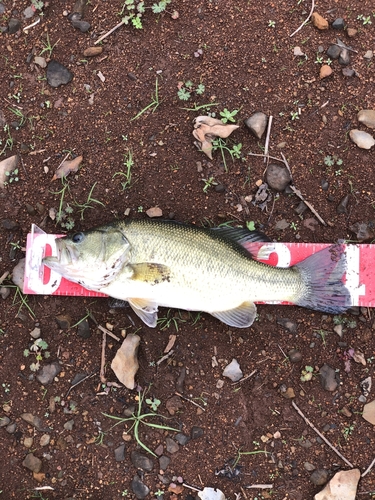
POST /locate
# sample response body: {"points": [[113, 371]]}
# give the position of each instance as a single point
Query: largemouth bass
{"points": [[160, 263]]}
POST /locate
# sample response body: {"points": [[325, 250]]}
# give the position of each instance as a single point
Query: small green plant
{"points": [[319, 59], [38, 4], [294, 115], [154, 403], [18, 113], [124, 493], [271, 24], [250, 225], [39, 349], [243, 453], [347, 431], [159, 493], [134, 10], [6, 387], [64, 211], [152, 105], [171, 318], [208, 183], [139, 418], [127, 175], [293, 226], [341, 320], [12, 176], [48, 47], [228, 116], [307, 373], [222, 146], [88, 203], [8, 144], [186, 89], [329, 161], [365, 19]]}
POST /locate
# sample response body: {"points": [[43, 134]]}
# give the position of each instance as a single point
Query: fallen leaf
{"points": [[67, 167], [125, 363], [359, 358], [172, 340], [207, 128], [7, 165], [176, 488]]}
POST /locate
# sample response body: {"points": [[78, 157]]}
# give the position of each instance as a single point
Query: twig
{"points": [[104, 330], [110, 32], [66, 156], [190, 401], [5, 275], [79, 382], [245, 378], [306, 20], [165, 357], [298, 193], [368, 468], [32, 25], [270, 157], [260, 486], [321, 435], [266, 144], [102, 363], [191, 487]]}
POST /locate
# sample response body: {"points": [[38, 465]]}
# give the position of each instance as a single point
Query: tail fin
{"points": [[322, 274]]}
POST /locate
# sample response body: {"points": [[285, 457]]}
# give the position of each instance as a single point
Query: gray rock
{"points": [[324, 185], [343, 205], [139, 489], [13, 26], [28, 13], [338, 24], [141, 461], [333, 51], [196, 432], [309, 467], [68, 426], [349, 72], [171, 445], [328, 378], [82, 26], [294, 356], [233, 371], [48, 373], [257, 124], [45, 440], [319, 477], [2, 9], [33, 420], [83, 329], [277, 177], [58, 74], [9, 224], [367, 117], [281, 225], [344, 58], [368, 55], [35, 334], [288, 324], [4, 421], [363, 230], [301, 208], [32, 463], [4, 292], [78, 377], [120, 453], [164, 462], [181, 438], [362, 139], [11, 428]]}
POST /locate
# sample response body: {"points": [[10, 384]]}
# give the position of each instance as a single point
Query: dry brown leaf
{"points": [[207, 128], [67, 167], [206, 120], [223, 130], [359, 358], [172, 340]]}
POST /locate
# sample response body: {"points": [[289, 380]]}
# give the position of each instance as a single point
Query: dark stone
{"points": [[196, 432], [344, 58], [141, 461], [181, 438], [301, 208], [48, 373], [9, 224], [328, 378], [219, 188], [139, 489], [4, 421], [64, 321], [83, 329], [120, 453], [171, 445], [349, 72], [343, 205], [2, 9], [288, 324], [30, 209], [295, 356], [319, 477], [13, 26], [32, 463], [324, 185], [338, 24], [132, 76], [78, 377], [277, 177], [57, 74], [333, 51], [82, 26], [164, 462]]}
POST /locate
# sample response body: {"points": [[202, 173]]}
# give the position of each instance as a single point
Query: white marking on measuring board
{"points": [[281, 250], [352, 274], [34, 266]]}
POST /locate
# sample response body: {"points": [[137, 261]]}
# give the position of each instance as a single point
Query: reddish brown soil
{"points": [[247, 65]]}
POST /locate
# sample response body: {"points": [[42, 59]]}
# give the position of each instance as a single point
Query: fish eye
{"points": [[77, 237]]}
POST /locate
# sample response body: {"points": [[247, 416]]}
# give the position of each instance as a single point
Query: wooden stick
{"points": [[306, 20], [260, 486], [190, 401], [321, 435], [266, 145], [102, 363], [110, 32], [104, 330], [245, 378], [5, 275], [368, 468]]}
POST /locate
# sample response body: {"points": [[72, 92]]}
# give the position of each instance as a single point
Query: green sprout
{"points": [[153, 104]]}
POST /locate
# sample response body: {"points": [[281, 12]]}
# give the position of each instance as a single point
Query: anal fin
{"points": [[240, 317], [146, 310]]}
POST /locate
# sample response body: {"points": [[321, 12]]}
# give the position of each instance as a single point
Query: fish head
{"points": [[92, 258]]}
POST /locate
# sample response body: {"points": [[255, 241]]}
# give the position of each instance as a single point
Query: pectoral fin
{"points": [[146, 310], [240, 317], [149, 272]]}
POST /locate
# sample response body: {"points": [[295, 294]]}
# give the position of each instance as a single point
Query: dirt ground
{"points": [[242, 53]]}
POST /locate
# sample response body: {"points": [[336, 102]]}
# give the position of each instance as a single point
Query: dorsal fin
{"points": [[243, 237]]}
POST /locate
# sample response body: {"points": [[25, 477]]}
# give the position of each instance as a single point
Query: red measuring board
{"points": [[359, 278]]}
